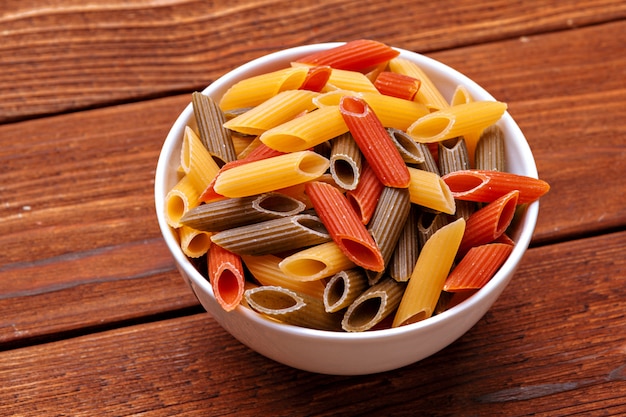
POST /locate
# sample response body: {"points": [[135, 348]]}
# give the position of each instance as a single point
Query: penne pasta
{"points": [[344, 226], [488, 223], [428, 94], [412, 153], [428, 223], [427, 189], [266, 271], [429, 275], [489, 155], [194, 243], [345, 161], [484, 186], [306, 131], [343, 288], [273, 236], [273, 112], [477, 267], [255, 90], [179, 200], [350, 81], [375, 304], [270, 174], [461, 96], [374, 142], [453, 155], [456, 120], [226, 276], [387, 224], [316, 78], [235, 212], [215, 137], [364, 198], [397, 85], [293, 308], [357, 55], [259, 152], [196, 161], [407, 249], [317, 262], [394, 112]]}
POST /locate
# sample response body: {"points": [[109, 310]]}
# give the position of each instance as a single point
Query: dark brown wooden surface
{"points": [[94, 318]]}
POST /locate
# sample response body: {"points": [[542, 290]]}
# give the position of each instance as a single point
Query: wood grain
{"points": [[70, 55], [530, 355], [88, 218]]}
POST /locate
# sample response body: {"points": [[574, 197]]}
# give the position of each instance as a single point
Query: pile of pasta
{"points": [[344, 192]]}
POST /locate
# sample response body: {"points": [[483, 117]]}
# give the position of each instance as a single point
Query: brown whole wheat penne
{"points": [[343, 288], [273, 236], [375, 304], [235, 212], [214, 135], [293, 308]]}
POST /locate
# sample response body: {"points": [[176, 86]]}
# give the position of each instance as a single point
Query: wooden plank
{"points": [[70, 55], [554, 349], [77, 189]]}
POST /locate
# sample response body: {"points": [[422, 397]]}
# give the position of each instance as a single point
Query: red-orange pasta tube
{"points": [[357, 55], [489, 223], [226, 276], [374, 141], [316, 78], [364, 197], [485, 186], [344, 226], [477, 267], [397, 85]]}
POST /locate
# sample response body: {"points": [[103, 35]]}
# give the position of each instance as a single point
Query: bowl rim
{"points": [[496, 285]]}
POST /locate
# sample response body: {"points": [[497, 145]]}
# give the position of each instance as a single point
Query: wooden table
{"points": [[94, 318]]}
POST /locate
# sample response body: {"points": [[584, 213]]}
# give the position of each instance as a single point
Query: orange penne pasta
{"points": [[477, 267], [374, 141], [260, 152], [316, 78], [485, 186], [226, 276], [344, 226], [357, 55], [489, 223], [397, 85], [364, 197]]}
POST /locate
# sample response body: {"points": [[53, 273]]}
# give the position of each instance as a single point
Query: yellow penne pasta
{"points": [[429, 275], [392, 112], [194, 243], [349, 80], [275, 111], [456, 120], [265, 270], [255, 90], [315, 263], [395, 112], [180, 199], [332, 98], [196, 161], [428, 94], [271, 174], [306, 131], [461, 96], [428, 190]]}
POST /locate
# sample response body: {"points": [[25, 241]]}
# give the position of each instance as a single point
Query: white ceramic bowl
{"points": [[336, 352]]}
